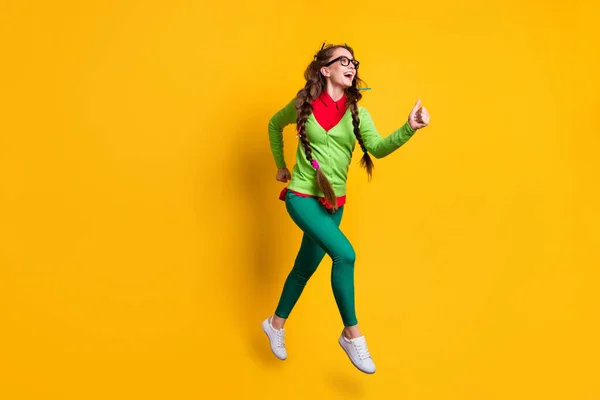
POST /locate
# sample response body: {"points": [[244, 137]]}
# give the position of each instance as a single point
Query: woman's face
{"points": [[337, 73]]}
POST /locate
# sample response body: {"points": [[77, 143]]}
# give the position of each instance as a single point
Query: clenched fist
{"points": [[418, 117], [283, 175]]}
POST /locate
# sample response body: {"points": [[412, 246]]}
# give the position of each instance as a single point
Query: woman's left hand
{"points": [[418, 117]]}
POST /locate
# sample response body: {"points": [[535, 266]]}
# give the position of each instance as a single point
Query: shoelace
{"points": [[361, 349], [280, 337]]}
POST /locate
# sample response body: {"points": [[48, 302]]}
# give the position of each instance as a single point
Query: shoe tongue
{"points": [[359, 340]]}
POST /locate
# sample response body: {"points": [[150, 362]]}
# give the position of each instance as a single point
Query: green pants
{"points": [[322, 235]]}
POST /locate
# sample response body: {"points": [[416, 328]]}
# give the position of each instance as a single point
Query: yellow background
{"points": [[142, 242]]}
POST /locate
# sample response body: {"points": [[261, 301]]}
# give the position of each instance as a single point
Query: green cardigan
{"points": [[332, 149]]}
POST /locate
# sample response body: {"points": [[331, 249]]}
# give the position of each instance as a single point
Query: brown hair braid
{"points": [[365, 161], [315, 84]]}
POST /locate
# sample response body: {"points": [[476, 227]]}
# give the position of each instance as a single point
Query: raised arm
{"points": [[282, 118], [379, 146]]}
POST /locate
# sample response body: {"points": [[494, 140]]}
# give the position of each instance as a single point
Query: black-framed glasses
{"points": [[345, 61]]}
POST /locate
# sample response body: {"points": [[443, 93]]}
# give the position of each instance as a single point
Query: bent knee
{"points": [[348, 257], [303, 275]]}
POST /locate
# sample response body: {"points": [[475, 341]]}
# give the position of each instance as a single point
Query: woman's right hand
{"points": [[283, 175]]}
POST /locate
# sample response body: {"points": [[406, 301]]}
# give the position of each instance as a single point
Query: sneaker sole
{"points": [[351, 360], [264, 328]]}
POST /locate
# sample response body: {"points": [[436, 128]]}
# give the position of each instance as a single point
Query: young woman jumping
{"points": [[329, 123]]}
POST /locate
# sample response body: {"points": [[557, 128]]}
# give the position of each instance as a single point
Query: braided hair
{"points": [[315, 84]]}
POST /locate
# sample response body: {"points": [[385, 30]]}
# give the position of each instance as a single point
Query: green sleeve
{"points": [[377, 145], [282, 118]]}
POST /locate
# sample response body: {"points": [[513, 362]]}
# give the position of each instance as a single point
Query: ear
{"points": [[325, 72]]}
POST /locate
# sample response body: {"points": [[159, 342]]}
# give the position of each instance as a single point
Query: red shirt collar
{"points": [[326, 99]]}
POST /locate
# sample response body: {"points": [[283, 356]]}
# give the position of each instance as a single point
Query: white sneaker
{"points": [[276, 338], [357, 351]]}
